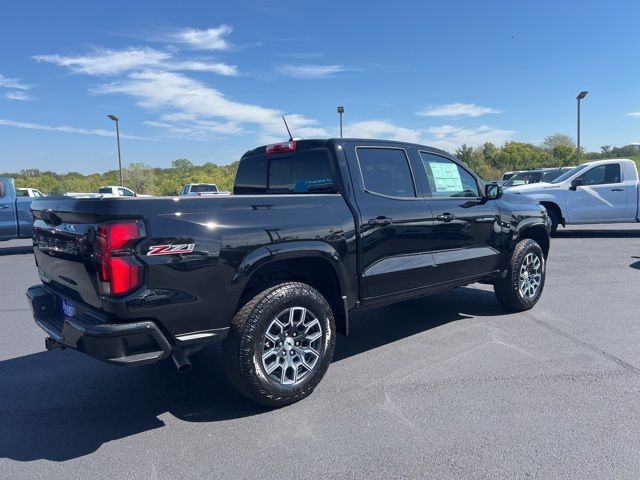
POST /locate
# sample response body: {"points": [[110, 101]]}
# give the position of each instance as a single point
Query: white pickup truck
{"points": [[601, 191]]}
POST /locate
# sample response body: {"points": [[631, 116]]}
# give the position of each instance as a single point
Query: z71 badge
{"points": [[177, 249]]}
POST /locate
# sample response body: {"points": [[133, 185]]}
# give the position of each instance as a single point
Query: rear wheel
{"points": [[280, 344], [523, 285]]}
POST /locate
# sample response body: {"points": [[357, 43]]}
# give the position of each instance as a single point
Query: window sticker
{"points": [[446, 177]]}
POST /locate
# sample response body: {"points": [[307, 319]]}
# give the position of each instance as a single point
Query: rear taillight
{"points": [[284, 147], [118, 270]]}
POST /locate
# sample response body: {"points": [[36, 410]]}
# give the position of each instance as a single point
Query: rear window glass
{"points": [[305, 171], [203, 188]]}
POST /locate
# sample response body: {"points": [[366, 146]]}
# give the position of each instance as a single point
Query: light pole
{"points": [[580, 96], [116, 119], [340, 111]]}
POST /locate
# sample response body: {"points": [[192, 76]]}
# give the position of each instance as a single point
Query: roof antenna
{"points": [[287, 127]]}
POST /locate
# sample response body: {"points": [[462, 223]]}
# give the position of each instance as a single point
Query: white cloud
{"points": [[17, 95], [16, 89], [191, 101], [108, 62], [449, 137], [382, 129], [6, 82], [311, 71], [634, 114], [456, 110], [67, 129], [198, 129], [199, 66], [210, 39], [115, 62]]}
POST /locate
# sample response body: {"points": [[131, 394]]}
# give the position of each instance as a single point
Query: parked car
{"points": [[195, 189], [15, 214], [602, 191], [535, 176], [116, 191], [314, 230], [507, 175], [29, 192]]}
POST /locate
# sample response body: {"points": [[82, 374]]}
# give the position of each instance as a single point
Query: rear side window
{"points": [[446, 178], [22, 193], [386, 171], [104, 190], [304, 171]]}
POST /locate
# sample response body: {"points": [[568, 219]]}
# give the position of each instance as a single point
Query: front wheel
{"points": [[280, 344], [521, 289]]}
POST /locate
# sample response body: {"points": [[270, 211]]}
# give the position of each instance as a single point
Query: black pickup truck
{"points": [[314, 230]]}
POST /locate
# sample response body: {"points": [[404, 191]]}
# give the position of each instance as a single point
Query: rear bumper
{"points": [[92, 332]]}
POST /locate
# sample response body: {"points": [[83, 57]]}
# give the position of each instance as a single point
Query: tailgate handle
{"points": [[446, 217], [380, 221]]}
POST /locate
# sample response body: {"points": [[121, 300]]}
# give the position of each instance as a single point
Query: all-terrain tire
{"points": [[508, 290], [245, 344]]}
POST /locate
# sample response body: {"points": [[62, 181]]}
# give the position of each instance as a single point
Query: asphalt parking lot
{"points": [[447, 386]]}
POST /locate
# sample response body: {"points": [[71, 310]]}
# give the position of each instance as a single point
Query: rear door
{"points": [[603, 197], [396, 224], [8, 223], [466, 229]]}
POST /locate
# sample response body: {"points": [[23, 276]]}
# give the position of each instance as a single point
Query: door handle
{"points": [[617, 189], [380, 221], [2, 207], [446, 217]]}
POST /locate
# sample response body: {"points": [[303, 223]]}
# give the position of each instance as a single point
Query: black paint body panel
{"points": [[236, 235]]}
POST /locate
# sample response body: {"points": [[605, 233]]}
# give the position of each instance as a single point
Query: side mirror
{"points": [[575, 183], [493, 191]]}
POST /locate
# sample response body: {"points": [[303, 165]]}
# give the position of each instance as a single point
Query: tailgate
{"points": [[63, 239]]}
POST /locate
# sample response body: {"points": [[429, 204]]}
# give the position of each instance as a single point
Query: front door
{"points": [[8, 226], [602, 197], [396, 224], [466, 228]]}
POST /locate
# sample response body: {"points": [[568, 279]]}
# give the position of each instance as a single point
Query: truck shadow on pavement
{"points": [[62, 405]]}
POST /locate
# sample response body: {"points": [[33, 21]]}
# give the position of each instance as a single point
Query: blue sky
{"points": [[208, 80]]}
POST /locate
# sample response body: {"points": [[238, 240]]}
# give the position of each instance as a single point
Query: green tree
{"points": [[140, 178], [552, 141], [563, 155], [464, 152]]}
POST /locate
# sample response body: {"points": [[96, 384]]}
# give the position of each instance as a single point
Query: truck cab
{"points": [[15, 215], [600, 191], [116, 191]]}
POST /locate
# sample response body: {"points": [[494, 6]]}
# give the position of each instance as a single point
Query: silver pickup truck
{"points": [[15, 212]]}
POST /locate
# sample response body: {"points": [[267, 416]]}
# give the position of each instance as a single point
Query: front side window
{"points": [[602, 174], [386, 171], [125, 192], [446, 178]]}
